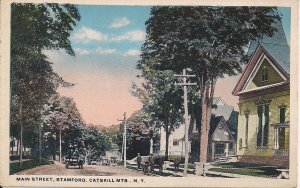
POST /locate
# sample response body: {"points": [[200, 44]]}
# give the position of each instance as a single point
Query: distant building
{"points": [[264, 102], [227, 118], [221, 141]]}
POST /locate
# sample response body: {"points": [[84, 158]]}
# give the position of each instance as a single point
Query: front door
{"points": [[220, 148]]}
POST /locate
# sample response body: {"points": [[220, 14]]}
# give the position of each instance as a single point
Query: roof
{"points": [[214, 123], [275, 48], [223, 110], [276, 45]]}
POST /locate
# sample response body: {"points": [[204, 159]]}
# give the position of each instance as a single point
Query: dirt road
{"points": [[88, 170]]}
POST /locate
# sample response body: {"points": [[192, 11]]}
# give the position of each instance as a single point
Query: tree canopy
{"points": [[212, 41]]}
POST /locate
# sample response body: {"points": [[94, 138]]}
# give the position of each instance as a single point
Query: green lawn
{"points": [[247, 169], [14, 167]]}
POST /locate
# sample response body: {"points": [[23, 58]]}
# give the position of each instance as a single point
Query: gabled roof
{"points": [[221, 110], [276, 45], [274, 48], [215, 121]]}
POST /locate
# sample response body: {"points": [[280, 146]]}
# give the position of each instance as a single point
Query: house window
{"points": [[263, 125], [282, 115], [264, 74], [175, 142]]}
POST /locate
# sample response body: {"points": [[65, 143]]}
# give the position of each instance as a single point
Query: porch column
{"points": [[226, 149], [151, 145], [212, 151], [276, 138]]}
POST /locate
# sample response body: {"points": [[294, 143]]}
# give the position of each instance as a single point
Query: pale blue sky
{"points": [[107, 43]]}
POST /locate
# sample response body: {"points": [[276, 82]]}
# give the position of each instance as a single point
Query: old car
{"points": [[74, 159], [105, 162]]}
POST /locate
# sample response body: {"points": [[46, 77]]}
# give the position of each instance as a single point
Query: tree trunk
{"points": [[18, 143], [60, 155], [12, 147], [40, 143], [205, 124], [21, 138], [167, 144]]}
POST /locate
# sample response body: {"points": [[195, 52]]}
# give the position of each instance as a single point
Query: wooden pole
{"points": [[21, 137], [186, 141], [125, 148], [186, 117], [60, 158], [40, 144]]}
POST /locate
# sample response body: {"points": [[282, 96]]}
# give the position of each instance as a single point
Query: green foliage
{"points": [[96, 143], [139, 131], [34, 28], [209, 40], [42, 26], [14, 167]]}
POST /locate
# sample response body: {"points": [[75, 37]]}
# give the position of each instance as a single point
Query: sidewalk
{"points": [[17, 161], [169, 170]]}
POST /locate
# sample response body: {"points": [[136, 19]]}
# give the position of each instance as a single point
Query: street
{"points": [[88, 170]]}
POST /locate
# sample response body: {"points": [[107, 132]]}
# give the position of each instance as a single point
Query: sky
{"points": [[107, 43]]}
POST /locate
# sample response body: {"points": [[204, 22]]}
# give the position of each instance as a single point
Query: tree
{"points": [[96, 143], [209, 40], [140, 131], [34, 28], [42, 26], [161, 100], [61, 113]]}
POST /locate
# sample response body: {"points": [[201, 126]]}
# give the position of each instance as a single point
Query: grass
{"points": [[14, 167], [247, 169]]}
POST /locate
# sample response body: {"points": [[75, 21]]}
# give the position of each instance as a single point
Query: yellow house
{"points": [[264, 103]]}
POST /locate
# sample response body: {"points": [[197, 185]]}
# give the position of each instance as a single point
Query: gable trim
{"points": [[261, 59], [258, 54], [263, 87]]}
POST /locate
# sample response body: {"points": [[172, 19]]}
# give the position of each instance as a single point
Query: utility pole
{"points": [[60, 155], [21, 136], [40, 143], [124, 138], [186, 116]]}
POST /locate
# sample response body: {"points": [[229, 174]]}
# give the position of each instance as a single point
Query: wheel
{"points": [[67, 165]]}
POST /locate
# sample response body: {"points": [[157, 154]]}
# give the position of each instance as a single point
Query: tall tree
{"points": [[34, 28], [61, 113], [209, 40], [161, 100]]}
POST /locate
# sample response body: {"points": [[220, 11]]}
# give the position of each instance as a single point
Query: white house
{"points": [[176, 138]]}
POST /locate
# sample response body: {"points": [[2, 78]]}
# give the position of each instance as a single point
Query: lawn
{"points": [[14, 167], [247, 169]]}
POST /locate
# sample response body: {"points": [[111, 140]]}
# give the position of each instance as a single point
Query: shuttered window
{"points": [[282, 115], [263, 125]]}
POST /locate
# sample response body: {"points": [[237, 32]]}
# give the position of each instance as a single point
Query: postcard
{"points": [[149, 94]]}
